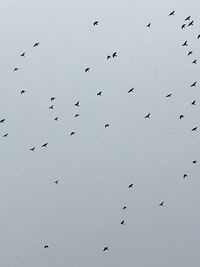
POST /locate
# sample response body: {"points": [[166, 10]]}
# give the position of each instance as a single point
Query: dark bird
{"points": [[162, 203], [2, 121], [51, 107], [124, 208], [99, 93], [108, 57], [169, 95], [172, 13], [194, 162], [22, 55], [56, 182], [56, 119], [194, 84], [32, 149], [15, 69], [194, 61], [36, 44], [5, 135], [46, 246], [122, 222], [148, 25], [147, 116], [77, 115], [87, 69], [190, 53], [105, 248], [45, 145], [185, 176], [185, 43], [183, 26], [130, 90], [181, 117], [198, 36], [53, 98], [193, 102], [107, 125], [188, 18], [72, 133], [191, 23], [77, 104], [194, 129], [96, 23], [130, 186], [114, 54], [22, 92]]}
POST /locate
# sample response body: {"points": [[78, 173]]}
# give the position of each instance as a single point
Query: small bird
{"points": [[5, 135], [191, 23], [87, 69], [162, 203], [45, 145], [172, 13], [51, 107], [194, 61], [169, 95], [148, 25], [96, 23], [22, 92], [53, 98], [184, 175], [46, 246], [22, 55], [198, 36], [32, 149], [77, 104], [124, 208], [181, 116], [108, 57], [56, 182], [188, 18], [190, 53], [15, 69], [130, 90], [194, 161], [72, 133], [147, 116], [56, 119], [193, 103], [105, 248], [99, 93], [193, 84], [185, 43], [77, 115], [122, 222], [183, 26], [2, 121], [114, 54], [130, 186], [36, 44], [194, 129], [107, 125]]}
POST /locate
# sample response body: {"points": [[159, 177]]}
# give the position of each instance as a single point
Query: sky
{"points": [[81, 214]]}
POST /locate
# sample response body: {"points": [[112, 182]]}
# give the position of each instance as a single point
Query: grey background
{"points": [[82, 214]]}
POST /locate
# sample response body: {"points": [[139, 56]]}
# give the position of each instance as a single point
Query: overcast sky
{"points": [[81, 214]]}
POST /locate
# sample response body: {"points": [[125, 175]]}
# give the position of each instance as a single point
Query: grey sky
{"points": [[82, 214]]}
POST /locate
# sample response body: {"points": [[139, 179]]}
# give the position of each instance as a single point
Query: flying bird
{"points": [[53, 98], [15, 69], [148, 25], [5, 135], [114, 54], [22, 55], [194, 84], [183, 26], [56, 119], [190, 53], [36, 44], [188, 18], [108, 57], [185, 176], [181, 117], [107, 125], [56, 182], [2, 121], [46, 246], [130, 186], [22, 92], [77, 115], [194, 129], [172, 13], [162, 203], [130, 90], [147, 116], [45, 145], [194, 161], [185, 43], [105, 248], [99, 93], [169, 95], [96, 23], [51, 107], [87, 69], [122, 222], [124, 208], [194, 61], [77, 104], [191, 23], [72, 133], [193, 103], [32, 149]]}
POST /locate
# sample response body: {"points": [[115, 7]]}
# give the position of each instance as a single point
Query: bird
{"points": [[87, 69], [169, 95], [51, 107], [77, 115], [46, 246], [99, 93], [107, 125], [181, 116], [114, 54], [15, 69], [198, 36], [72, 133], [191, 23], [96, 23], [56, 118], [5, 135], [45, 145], [36, 44], [53, 98], [194, 161], [56, 182], [172, 13], [194, 129], [188, 18], [147, 116], [108, 57], [22, 92], [22, 55], [185, 43], [193, 103], [32, 149], [190, 53], [184, 175], [124, 208], [77, 104], [105, 248], [130, 186], [130, 90], [183, 26], [194, 61], [193, 84], [122, 222], [148, 25], [2, 121], [162, 203]]}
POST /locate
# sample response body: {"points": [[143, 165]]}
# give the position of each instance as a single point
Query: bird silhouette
{"points": [[191, 23], [185, 43], [130, 186], [194, 161], [188, 18], [194, 61], [107, 125], [181, 117], [96, 23], [32, 149], [22, 92], [147, 116], [148, 25], [193, 103], [122, 222], [183, 26], [162, 203], [87, 69], [77, 115], [56, 182], [169, 95], [105, 248], [46, 246], [108, 57], [45, 145], [130, 90], [190, 53], [56, 119], [184, 175], [22, 55], [5, 135], [172, 13], [51, 107], [53, 98], [36, 44], [194, 129], [72, 133], [77, 104], [2, 121], [193, 84], [114, 54], [99, 93], [15, 69], [124, 208]]}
